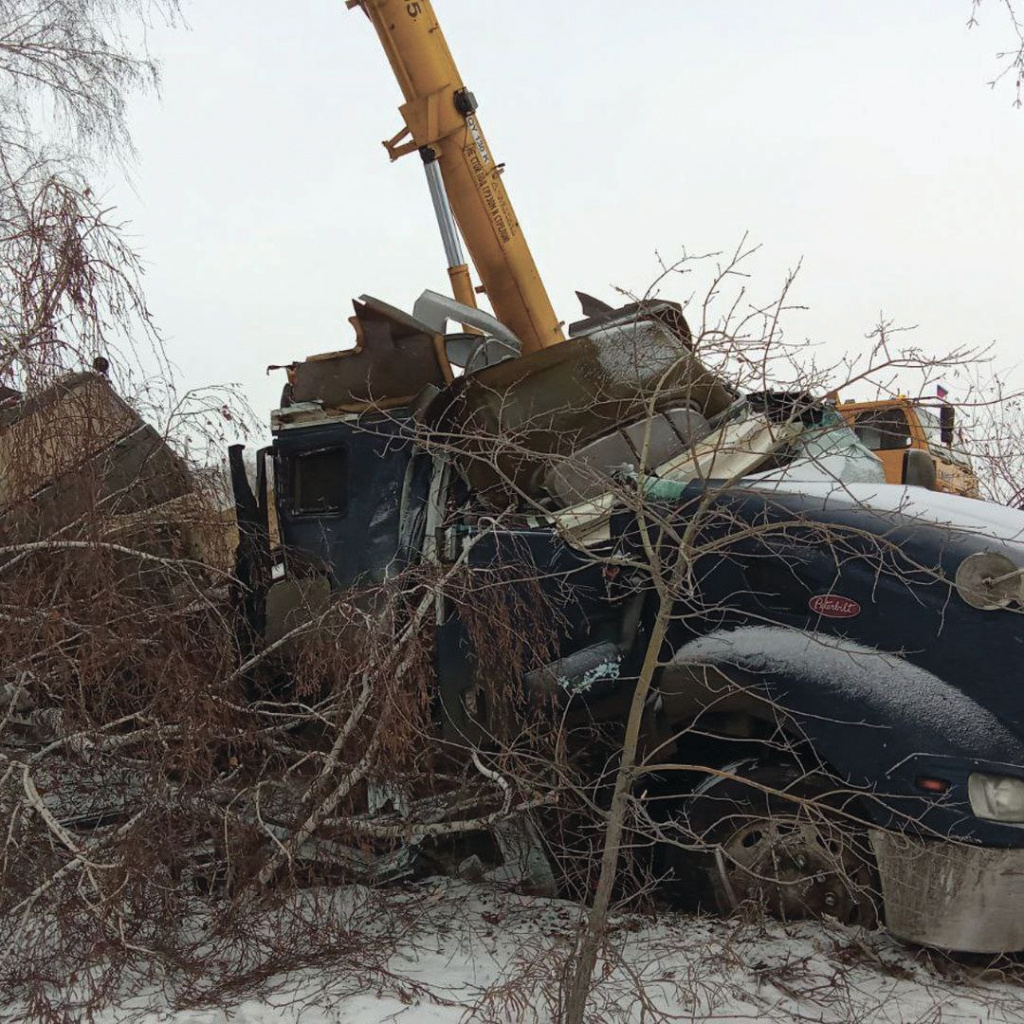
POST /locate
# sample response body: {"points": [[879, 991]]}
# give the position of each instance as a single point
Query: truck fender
{"points": [[864, 712]]}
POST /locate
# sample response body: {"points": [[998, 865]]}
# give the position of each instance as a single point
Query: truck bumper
{"points": [[964, 898]]}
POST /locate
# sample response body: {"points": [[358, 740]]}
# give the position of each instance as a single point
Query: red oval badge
{"points": [[832, 606]]}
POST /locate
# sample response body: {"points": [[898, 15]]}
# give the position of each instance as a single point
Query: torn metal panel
{"points": [[738, 448], [525, 862], [640, 447], [733, 450], [589, 523], [395, 358]]}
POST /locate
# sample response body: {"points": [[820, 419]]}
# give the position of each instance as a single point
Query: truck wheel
{"points": [[797, 856]]}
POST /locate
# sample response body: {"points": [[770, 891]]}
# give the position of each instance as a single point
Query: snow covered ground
{"points": [[477, 953]]}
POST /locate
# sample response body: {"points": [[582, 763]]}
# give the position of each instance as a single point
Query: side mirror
{"points": [[947, 425], [919, 469]]}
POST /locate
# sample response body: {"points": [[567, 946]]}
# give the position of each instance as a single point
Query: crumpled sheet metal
{"points": [[395, 358], [508, 422]]}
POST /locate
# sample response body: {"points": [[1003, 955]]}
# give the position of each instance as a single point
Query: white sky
{"points": [[859, 135]]}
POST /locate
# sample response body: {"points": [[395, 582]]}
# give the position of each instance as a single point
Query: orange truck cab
{"points": [[915, 441]]}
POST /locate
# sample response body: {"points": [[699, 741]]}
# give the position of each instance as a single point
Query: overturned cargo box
{"points": [[76, 448]]}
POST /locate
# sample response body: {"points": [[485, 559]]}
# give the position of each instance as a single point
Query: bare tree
{"points": [[1012, 58], [70, 285]]}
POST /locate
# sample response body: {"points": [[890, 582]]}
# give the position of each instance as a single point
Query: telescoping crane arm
{"points": [[441, 123]]}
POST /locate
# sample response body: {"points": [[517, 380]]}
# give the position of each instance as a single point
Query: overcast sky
{"points": [[858, 135]]}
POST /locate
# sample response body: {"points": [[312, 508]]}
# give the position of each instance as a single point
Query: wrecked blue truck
{"points": [[835, 641]]}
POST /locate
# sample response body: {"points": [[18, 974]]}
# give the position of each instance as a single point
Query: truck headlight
{"points": [[997, 797]]}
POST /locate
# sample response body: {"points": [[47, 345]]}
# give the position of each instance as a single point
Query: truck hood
{"points": [[904, 506], [907, 614]]}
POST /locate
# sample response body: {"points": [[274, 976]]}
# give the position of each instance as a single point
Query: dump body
{"points": [[77, 445]]}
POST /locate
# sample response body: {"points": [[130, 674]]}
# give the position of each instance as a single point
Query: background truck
{"points": [[916, 442]]}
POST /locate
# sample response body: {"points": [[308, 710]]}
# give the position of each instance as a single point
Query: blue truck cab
{"points": [[866, 632]]}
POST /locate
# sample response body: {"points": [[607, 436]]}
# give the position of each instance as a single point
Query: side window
{"points": [[319, 482], [883, 430]]}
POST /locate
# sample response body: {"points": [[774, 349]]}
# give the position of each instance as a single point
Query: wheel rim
{"points": [[797, 868]]}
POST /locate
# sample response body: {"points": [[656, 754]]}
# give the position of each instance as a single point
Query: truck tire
{"points": [[800, 855]]}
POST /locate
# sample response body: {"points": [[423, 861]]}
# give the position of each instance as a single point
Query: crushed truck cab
{"points": [[875, 627]]}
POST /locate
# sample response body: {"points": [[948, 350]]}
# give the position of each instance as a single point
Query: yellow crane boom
{"points": [[441, 123]]}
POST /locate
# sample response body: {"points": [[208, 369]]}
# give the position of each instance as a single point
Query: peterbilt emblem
{"points": [[832, 607]]}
